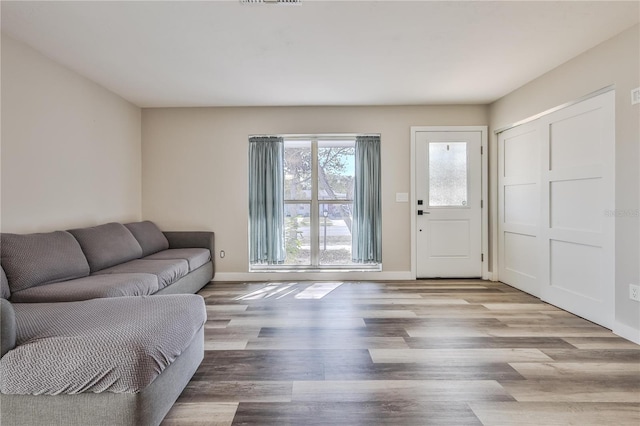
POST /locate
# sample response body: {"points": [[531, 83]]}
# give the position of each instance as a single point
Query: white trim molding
{"points": [[627, 332], [320, 276]]}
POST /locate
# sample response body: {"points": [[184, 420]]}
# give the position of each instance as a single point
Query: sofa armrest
{"points": [[191, 239], [7, 327]]}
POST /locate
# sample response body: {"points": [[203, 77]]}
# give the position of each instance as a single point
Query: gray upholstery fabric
{"points": [[4, 285], [151, 239], [195, 256], [107, 245], [145, 408], [66, 348], [92, 287], [167, 271], [191, 239], [34, 259], [191, 283], [7, 327]]}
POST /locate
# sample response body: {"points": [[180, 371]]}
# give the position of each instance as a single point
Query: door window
{"points": [[447, 174]]}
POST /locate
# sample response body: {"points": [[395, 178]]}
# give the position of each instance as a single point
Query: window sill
{"points": [[332, 268]]}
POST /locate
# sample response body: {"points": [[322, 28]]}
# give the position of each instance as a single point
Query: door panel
{"points": [[448, 189], [555, 183], [576, 268], [521, 204], [576, 205], [519, 207], [577, 244], [575, 140], [449, 238], [516, 260]]}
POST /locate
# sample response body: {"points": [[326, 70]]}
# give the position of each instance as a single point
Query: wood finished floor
{"points": [[406, 353]]}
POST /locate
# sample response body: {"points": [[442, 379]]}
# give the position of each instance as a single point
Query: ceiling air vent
{"points": [[271, 1]]}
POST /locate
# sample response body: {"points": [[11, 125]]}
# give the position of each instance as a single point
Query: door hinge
{"points": [[481, 150], [481, 204], [482, 257]]}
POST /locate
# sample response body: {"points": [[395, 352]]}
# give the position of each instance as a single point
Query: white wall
{"points": [[70, 149], [616, 61], [195, 168]]}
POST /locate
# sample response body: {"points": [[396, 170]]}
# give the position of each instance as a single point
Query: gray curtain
{"points": [[266, 200], [367, 203]]}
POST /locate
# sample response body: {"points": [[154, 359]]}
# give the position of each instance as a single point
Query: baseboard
{"points": [[627, 332], [320, 276]]}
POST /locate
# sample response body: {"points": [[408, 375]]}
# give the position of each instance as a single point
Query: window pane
{"points": [[335, 234], [297, 170], [447, 174], [336, 166], [297, 238]]}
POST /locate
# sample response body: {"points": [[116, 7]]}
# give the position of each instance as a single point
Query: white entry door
{"points": [[448, 167]]}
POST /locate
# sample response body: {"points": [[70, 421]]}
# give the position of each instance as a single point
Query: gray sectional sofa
{"points": [[99, 326]]}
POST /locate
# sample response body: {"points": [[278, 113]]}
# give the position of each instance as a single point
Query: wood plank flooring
{"points": [[433, 352]]}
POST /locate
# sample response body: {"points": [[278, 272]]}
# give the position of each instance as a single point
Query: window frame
{"points": [[314, 213]]}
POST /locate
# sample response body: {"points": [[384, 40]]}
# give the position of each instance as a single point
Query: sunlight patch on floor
{"points": [[280, 290], [317, 290]]}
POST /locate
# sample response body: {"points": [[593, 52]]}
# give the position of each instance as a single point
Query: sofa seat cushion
{"points": [[103, 345], [167, 271], [92, 287], [107, 245], [195, 256], [34, 259]]}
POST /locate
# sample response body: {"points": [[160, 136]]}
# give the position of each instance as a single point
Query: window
{"points": [[447, 174], [318, 195]]}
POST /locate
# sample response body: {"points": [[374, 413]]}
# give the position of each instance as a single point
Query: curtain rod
{"points": [[315, 135]]}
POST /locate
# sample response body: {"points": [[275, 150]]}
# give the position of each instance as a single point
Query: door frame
{"points": [[484, 158]]}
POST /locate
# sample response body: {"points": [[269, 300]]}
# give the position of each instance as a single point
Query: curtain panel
{"points": [[367, 202], [266, 200]]}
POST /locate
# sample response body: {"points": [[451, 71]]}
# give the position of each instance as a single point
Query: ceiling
{"points": [[224, 53]]}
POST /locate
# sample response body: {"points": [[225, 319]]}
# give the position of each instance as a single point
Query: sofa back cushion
{"points": [[5, 292], [34, 259], [151, 239], [107, 245]]}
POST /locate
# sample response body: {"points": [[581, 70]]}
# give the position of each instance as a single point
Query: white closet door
{"points": [[577, 188], [519, 210], [556, 185]]}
